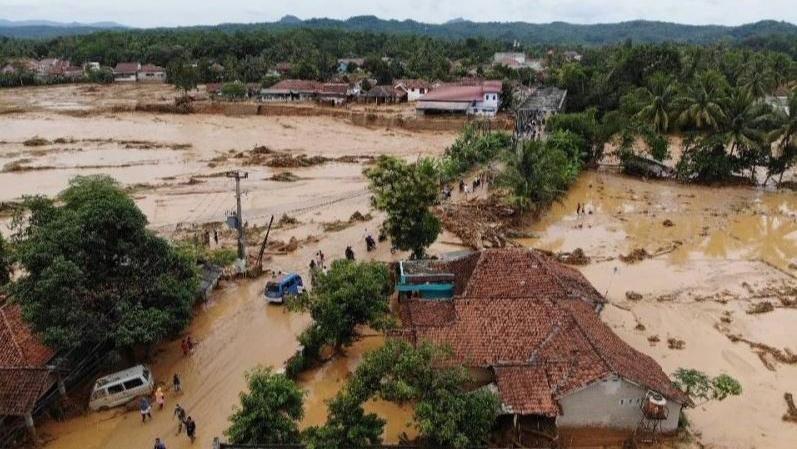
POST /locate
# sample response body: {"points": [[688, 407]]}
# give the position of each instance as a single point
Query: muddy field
{"points": [[711, 255]]}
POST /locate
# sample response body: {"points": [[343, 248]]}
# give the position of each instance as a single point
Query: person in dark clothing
{"points": [[176, 385], [190, 428], [312, 265], [145, 409], [349, 253], [370, 244], [461, 185], [159, 444], [179, 413], [216, 236]]}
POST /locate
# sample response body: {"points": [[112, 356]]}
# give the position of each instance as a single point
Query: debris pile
{"points": [[761, 307], [576, 257], [633, 296], [285, 176], [668, 223], [636, 255], [674, 343], [339, 225], [791, 412], [480, 223]]}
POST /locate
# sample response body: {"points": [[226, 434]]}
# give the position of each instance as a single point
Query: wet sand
{"points": [[728, 249]]}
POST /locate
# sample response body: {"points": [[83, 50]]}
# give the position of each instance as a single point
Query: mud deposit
{"points": [[722, 251]]}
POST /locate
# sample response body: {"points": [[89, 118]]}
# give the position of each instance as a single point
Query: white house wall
{"points": [[613, 403]]}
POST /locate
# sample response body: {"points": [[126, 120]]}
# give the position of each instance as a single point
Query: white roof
{"points": [[135, 371]]}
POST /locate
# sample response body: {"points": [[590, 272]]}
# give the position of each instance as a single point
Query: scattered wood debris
{"points": [[633, 296], [285, 176], [576, 257], [675, 343], [479, 223], [791, 409], [653, 339], [636, 255], [761, 307], [668, 223]]}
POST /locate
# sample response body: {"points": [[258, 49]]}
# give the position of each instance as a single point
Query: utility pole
{"points": [[239, 223]]}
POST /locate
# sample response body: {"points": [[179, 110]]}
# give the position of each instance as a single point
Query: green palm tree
{"points": [[757, 78], [741, 130], [701, 105], [658, 100], [784, 136]]}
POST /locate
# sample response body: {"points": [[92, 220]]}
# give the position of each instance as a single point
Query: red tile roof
{"points": [[21, 388], [413, 83], [21, 347], [23, 375], [530, 319], [334, 89]]}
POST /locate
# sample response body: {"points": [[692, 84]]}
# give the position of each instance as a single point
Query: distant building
{"points": [[283, 68], [517, 61], [345, 63], [414, 88], [528, 328], [91, 66], [333, 93], [291, 90], [571, 55], [483, 98], [150, 73], [126, 72], [383, 94]]}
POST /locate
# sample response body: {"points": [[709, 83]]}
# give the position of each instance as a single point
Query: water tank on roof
{"points": [[655, 406]]}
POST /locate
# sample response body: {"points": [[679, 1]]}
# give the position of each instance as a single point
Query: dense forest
{"points": [[526, 33]]}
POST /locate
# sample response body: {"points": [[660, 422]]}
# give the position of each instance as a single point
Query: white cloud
{"points": [[147, 13]]}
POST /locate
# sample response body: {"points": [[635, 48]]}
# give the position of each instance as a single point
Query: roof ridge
{"points": [[598, 352]]}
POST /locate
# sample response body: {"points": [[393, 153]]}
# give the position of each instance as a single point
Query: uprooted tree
{"points": [[269, 412], [406, 191], [93, 273], [699, 386]]}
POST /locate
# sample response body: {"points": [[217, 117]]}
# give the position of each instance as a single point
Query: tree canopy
{"points": [[269, 413], [93, 273], [406, 191]]}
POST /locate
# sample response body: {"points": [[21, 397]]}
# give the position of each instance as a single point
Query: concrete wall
{"points": [[613, 403]]}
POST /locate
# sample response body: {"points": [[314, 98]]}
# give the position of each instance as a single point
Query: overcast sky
{"points": [[148, 13]]}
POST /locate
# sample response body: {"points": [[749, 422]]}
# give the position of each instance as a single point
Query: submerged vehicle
{"points": [[286, 285]]}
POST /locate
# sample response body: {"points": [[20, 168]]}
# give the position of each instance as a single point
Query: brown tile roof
{"points": [[20, 347], [151, 68], [384, 91], [126, 67], [20, 388], [413, 83], [296, 85], [529, 317], [334, 89]]}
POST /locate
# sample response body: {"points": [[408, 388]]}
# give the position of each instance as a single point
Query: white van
{"points": [[121, 387]]}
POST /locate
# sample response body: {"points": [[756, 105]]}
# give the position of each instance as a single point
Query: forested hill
{"points": [[528, 33], [548, 33]]}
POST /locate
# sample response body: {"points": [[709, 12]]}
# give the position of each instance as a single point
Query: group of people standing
{"points": [[183, 419]]}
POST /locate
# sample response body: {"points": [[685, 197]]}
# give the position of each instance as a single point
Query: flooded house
{"points": [[482, 98], [126, 72], [414, 88], [291, 90], [528, 328], [150, 73], [26, 374]]}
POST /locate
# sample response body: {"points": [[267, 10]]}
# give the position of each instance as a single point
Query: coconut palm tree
{"points": [[658, 100], [741, 131], [757, 78], [701, 104], [784, 136]]}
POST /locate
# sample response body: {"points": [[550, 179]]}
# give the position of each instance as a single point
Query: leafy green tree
{"points": [[757, 78], [536, 174], [183, 76], [93, 272], [457, 419], [349, 294], [269, 412], [406, 192], [235, 90], [5, 262], [102, 76], [592, 134], [471, 148], [699, 386], [741, 129]]}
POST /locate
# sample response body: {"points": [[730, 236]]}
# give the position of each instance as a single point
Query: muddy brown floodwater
{"points": [[727, 249], [723, 251]]}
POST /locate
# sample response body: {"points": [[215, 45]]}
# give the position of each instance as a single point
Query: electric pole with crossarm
{"points": [[239, 223]]}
